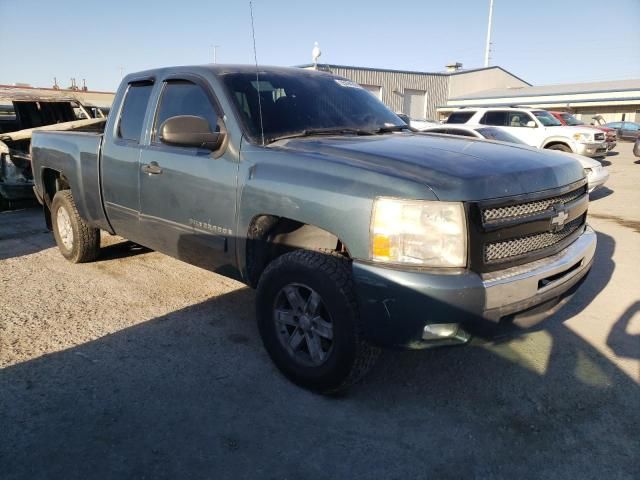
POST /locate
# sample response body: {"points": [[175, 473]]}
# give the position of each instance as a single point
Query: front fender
{"points": [[336, 198]]}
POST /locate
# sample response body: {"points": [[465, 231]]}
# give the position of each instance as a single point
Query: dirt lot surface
{"points": [[140, 366]]}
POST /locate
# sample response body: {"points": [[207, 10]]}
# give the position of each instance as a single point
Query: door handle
{"points": [[152, 168]]}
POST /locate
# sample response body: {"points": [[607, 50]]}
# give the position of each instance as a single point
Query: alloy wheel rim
{"points": [[303, 324], [64, 228]]}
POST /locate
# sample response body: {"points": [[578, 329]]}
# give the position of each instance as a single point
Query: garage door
{"points": [[375, 90], [414, 103]]}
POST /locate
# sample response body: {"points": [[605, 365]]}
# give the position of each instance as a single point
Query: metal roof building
{"points": [[418, 94], [614, 100]]}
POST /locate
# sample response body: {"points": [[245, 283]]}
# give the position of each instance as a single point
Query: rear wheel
{"points": [[77, 240], [309, 323], [561, 147]]}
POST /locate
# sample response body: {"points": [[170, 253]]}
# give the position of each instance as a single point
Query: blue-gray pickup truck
{"points": [[357, 232]]}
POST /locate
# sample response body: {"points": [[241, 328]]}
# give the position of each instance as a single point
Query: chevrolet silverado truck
{"points": [[357, 232]]}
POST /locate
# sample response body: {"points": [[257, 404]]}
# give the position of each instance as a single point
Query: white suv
{"points": [[537, 128]]}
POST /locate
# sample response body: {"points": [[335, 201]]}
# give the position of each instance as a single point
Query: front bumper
{"points": [[597, 178], [595, 149], [397, 305]]}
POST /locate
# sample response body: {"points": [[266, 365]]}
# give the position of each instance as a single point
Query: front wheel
{"points": [[309, 323], [561, 147], [77, 240]]}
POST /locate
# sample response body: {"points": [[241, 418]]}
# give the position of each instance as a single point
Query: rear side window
{"points": [[133, 111], [498, 118], [460, 117], [181, 97]]}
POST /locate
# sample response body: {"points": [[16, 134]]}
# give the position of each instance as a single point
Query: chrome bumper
{"points": [[520, 288]]}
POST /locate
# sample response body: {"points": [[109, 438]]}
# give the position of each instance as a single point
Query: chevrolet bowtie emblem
{"points": [[557, 222]]}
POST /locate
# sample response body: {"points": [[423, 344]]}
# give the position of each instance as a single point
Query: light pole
{"points": [[487, 49], [215, 52]]}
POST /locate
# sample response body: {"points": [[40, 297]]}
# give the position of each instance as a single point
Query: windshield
{"points": [[304, 103], [493, 133], [547, 119], [571, 120]]}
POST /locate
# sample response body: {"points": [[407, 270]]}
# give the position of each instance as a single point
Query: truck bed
{"points": [[76, 155]]}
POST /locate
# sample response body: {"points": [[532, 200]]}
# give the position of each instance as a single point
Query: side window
{"points": [[630, 126], [180, 97], [460, 117], [498, 118], [518, 119], [133, 111]]}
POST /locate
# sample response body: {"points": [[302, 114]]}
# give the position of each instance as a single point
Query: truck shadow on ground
{"points": [[602, 192], [24, 237], [121, 249], [192, 394]]}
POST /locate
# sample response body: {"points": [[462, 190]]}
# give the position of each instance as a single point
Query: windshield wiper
{"points": [[393, 128], [323, 131]]}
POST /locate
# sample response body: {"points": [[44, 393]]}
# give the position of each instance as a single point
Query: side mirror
{"points": [[190, 131], [531, 124]]}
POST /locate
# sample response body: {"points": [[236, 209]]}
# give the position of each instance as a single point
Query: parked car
{"points": [[625, 130], [535, 127], [356, 231], [568, 119], [417, 124], [596, 174]]}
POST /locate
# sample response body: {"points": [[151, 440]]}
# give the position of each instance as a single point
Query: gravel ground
{"points": [[140, 366]]}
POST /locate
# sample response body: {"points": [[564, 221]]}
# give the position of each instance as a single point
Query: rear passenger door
{"points": [[187, 207]]}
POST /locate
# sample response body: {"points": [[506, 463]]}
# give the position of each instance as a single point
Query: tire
{"points": [[560, 146], [289, 333], [78, 241]]}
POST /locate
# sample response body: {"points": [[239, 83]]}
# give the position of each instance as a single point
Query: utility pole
{"points": [[487, 50]]}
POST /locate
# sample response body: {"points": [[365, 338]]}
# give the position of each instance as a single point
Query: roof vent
{"points": [[454, 67]]}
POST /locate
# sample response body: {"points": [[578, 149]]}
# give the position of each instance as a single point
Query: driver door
{"points": [[187, 194]]}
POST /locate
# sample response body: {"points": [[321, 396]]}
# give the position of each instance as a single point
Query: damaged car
{"points": [[21, 113]]}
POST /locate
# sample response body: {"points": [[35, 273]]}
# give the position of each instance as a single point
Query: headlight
{"points": [[583, 137], [419, 232]]}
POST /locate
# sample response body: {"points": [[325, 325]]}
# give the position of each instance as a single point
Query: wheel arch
{"points": [[52, 182], [558, 141], [270, 236]]}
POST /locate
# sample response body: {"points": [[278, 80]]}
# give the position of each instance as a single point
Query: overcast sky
{"points": [[542, 41]]}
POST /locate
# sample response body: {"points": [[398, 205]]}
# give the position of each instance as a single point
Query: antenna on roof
{"points": [[255, 57]]}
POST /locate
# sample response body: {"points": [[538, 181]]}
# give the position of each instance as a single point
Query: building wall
{"points": [[465, 83], [393, 84]]}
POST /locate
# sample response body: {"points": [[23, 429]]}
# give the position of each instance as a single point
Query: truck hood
{"points": [[454, 169]]}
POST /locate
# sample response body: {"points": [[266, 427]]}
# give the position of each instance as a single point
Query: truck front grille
{"points": [[520, 246], [518, 230], [523, 210]]}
